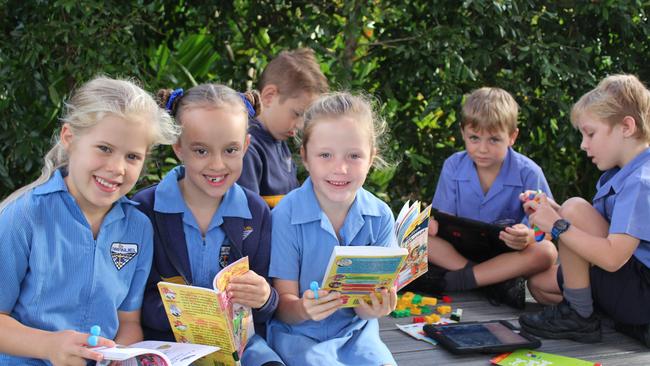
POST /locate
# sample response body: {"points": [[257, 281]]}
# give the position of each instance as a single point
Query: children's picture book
{"points": [[411, 229], [358, 271], [154, 353], [207, 316], [527, 357]]}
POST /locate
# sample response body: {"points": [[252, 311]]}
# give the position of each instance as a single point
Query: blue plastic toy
{"points": [[314, 287], [93, 339], [539, 234]]}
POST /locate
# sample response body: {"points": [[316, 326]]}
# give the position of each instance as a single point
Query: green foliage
{"points": [[419, 58]]}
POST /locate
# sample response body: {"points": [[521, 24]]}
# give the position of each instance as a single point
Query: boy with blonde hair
{"points": [[604, 246], [484, 183]]}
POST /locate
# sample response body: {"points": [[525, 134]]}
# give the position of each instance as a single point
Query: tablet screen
{"points": [[481, 335]]}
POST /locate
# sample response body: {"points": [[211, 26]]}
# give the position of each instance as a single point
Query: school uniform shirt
{"points": [[302, 241], [269, 169], [240, 227], [459, 189], [56, 276], [623, 198]]}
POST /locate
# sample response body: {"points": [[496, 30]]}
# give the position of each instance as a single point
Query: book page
{"points": [[415, 241], [358, 271], [155, 353]]}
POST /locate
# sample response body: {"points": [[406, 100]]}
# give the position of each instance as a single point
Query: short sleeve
{"points": [[386, 236], [631, 214], [133, 300], [537, 181], [444, 199], [15, 231], [285, 254]]}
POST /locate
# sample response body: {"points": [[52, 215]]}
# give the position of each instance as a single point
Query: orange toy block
{"points": [[444, 309]]}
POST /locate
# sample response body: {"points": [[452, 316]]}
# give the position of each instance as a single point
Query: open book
{"points": [[154, 353], [524, 357], [411, 228], [357, 271], [207, 316]]}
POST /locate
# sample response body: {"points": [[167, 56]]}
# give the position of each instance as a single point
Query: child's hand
{"points": [[517, 236], [544, 216], [249, 289], [318, 309], [433, 227], [69, 348], [378, 307]]}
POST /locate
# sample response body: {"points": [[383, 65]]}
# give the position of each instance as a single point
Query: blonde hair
{"points": [[210, 96], [491, 109], [614, 98], [360, 108], [294, 72], [93, 101]]}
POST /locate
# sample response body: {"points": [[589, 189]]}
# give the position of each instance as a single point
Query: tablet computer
{"points": [[475, 240], [494, 336]]}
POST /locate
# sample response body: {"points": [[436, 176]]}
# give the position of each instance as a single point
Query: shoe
{"points": [[638, 332], [561, 322], [432, 282], [511, 292]]}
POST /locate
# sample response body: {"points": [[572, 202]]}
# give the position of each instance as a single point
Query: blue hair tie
{"points": [[177, 93], [249, 106]]}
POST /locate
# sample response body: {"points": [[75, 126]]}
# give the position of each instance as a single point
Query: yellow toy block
{"points": [[416, 311], [444, 309], [426, 300], [433, 318]]}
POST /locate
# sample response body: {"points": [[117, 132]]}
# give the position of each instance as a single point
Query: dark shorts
{"points": [[623, 295]]}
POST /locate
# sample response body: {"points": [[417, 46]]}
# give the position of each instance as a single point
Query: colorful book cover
{"points": [[358, 271], [526, 357], [207, 316], [411, 228]]}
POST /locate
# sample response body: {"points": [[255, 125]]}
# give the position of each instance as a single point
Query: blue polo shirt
{"points": [[204, 252], [459, 189], [56, 276], [623, 198], [269, 169]]}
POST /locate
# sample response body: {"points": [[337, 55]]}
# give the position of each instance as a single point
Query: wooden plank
{"points": [[615, 350]]}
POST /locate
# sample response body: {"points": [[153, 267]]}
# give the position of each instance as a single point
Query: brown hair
{"points": [[343, 104], [293, 73], [212, 96], [492, 109], [616, 97]]}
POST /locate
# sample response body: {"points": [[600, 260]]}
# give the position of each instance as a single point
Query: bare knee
{"points": [[574, 207], [541, 256]]}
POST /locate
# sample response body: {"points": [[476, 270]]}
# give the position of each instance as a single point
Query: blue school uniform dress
{"points": [[56, 276], [459, 190], [303, 239], [240, 227], [623, 199], [269, 169]]}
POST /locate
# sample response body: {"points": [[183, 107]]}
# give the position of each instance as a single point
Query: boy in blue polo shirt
{"points": [[484, 183], [605, 246], [289, 83], [75, 252]]}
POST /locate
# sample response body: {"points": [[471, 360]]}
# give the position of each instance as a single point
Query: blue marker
{"points": [[93, 339], [314, 287]]}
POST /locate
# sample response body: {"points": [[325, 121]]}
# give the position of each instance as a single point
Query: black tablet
{"points": [[480, 337], [475, 240]]}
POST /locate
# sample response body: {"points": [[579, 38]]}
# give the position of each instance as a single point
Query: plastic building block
{"points": [[426, 300], [416, 299], [446, 299], [456, 315], [433, 318], [444, 309], [418, 319], [401, 313]]}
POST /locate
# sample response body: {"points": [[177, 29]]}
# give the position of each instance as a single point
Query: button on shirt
{"points": [[459, 189], [204, 252], [623, 198], [56, 276]]}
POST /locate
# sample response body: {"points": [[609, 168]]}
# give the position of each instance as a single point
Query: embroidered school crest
{"points": [[122, 253], [247, 231]]}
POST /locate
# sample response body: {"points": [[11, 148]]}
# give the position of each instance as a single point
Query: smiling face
{"points": [[486, 148], [338, 156], [282, 116], [212, 147], [105, 161]]}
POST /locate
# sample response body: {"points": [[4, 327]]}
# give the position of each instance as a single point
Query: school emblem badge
{"points": [[122, 253], [247, 231]]}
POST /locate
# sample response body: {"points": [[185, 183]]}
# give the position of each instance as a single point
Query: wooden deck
{"points": [[616, 348]]}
